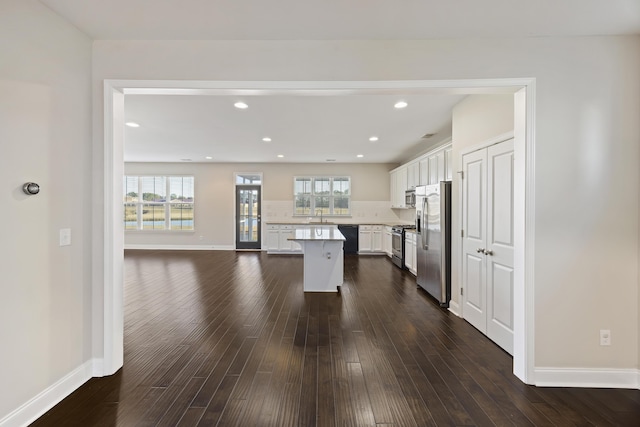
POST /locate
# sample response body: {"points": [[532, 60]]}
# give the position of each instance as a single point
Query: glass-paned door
{"points": [[248, 218]]}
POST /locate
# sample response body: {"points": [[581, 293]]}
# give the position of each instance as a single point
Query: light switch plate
{"points": [[65, 237]]}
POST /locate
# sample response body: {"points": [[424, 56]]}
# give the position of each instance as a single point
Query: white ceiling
{"points": [[346, 19], [316, 128], [304, 129]]}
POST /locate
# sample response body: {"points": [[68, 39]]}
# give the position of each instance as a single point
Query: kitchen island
{"points": [[322, 248]]}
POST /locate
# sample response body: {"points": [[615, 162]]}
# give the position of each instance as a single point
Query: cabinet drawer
{"points": [[273, 227], [286, 227], [365, 227]]}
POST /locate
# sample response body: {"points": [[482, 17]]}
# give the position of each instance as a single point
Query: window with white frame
{"points": [[326, 195], [158, 203]]}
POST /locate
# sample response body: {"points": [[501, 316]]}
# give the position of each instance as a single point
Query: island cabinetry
{"points": [[370, 239], [323, 258], [278, 238]]}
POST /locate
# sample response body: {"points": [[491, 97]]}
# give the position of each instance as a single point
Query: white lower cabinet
{"points": [[277, 239], [370, 239], [387, 241], [410, 248]]}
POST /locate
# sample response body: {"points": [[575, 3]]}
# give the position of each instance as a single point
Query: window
{"points": [[158, 203], [329, 195]]}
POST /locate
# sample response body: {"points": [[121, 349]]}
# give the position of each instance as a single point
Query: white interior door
{"points": [[488, 244], [499, 252], [474, 208]]}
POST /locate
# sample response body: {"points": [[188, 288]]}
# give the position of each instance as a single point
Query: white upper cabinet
{"points": [[424, 171], [448, 164], [413, 175], [430, 168], [398, 181]]}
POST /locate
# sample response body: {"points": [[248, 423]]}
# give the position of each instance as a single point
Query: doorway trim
{"points": [[108, 286]]}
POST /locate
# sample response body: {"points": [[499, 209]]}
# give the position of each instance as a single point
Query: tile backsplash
{"points": [[361, 211]]}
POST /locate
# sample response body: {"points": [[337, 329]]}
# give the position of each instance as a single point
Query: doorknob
{"points": [[488, 252], [480, 250]]}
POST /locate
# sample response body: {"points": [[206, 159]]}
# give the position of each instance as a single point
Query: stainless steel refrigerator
{"points": [[433, 223]]}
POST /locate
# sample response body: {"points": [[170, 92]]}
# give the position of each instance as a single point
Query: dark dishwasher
{"points": [[350, 233]]}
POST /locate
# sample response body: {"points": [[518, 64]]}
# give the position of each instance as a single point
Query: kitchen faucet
{"points": [[320, 214]]}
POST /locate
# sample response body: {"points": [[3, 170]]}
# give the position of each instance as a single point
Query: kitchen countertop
{"points": [[351, 222], [317, 234]]}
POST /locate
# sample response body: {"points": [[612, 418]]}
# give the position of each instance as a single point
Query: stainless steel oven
{"points": [[397, 246]]}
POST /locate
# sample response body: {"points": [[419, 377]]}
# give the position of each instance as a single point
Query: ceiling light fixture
{"points": [[280, 155], [266, 139], [360, 156], [400, 104], [208, 157], [240, 105], [373, 139], [132, 125]]}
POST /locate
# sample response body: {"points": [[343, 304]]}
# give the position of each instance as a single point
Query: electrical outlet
{"points": [[605, 337], [65, 237], [201, 237]]}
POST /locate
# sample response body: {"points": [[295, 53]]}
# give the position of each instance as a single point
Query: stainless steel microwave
{"points": [[410, 198]]}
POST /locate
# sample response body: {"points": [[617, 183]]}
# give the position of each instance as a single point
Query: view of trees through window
{"points": [[322, 195], [158, 203]]}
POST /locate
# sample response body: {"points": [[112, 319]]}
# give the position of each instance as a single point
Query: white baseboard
{"points": [[454, 308], [48, 398], [585, 377], [182, 247]]}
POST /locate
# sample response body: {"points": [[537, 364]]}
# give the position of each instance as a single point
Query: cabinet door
{"points": [[413, 175], [285, 232], [376, 239], [408, 261], [448, 164], [414, 255], [433, 169], [387, 241], [393, 188], [364, 238], [424, 171], [401, 186], [441, 162], [273, 239]]}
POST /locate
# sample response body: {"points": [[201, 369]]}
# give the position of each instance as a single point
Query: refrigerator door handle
{"points": [[425, 227]]}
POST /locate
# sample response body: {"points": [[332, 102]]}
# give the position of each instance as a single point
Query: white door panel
{"points": [[488, 242], [474, 266]]}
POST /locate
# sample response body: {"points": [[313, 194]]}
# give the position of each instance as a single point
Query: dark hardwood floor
{"points": [[230, 339]]}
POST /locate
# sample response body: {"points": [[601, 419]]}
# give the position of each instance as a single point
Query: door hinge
{"points": [[461, 291], [461, 174], [461, 233]]}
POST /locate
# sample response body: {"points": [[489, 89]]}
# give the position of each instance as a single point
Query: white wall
{"points": [[215, 196], [588, 104], [476, 119], [45, 137]]}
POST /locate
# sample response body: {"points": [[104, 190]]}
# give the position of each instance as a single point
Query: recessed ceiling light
{"points": [[360, 156], [400, 104], [280, 155], [186, 160], [266, 139], [240, 105], [373, 139], [208, 157], [132, 125], [331, 160]]}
